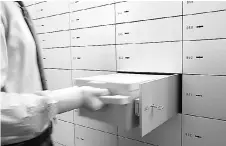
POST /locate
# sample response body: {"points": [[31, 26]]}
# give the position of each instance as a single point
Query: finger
{"points": [[94, 103], [100, 92]]}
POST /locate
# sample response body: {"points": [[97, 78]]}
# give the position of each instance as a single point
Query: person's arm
{"points": [[76, 97], [24, 115]]}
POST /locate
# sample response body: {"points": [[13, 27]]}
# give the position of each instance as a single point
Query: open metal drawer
{"points": [[136, 100]]}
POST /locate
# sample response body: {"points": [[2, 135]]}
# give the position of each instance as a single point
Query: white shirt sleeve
{"points": [[25, 114]]}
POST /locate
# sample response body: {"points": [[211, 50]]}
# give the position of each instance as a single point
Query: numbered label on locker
{"points": [[204, 96], [199, 131], [205, 26], [168, 134], [54, 23], [76, 5], [57, 79], [55, 39], [50, 8], [57, 58], [192, 7], [136, 10], [93, 17], [102, 35], [204, 57], [153, 57], [88, 137], [169, 29], [94, 58]]}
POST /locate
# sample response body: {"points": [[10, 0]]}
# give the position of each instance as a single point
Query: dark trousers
{"points": [[44, 139]]}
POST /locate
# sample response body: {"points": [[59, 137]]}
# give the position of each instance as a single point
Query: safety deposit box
{"points": [[135, 100]]}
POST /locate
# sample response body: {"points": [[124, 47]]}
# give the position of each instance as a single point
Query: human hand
{"points": [[76, 97], [91, 97]]}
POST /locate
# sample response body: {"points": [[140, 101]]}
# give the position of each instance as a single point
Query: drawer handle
{"points": [[197, 136], [43, 40], [40, 25], [76, 37], [40, 10], [121, 33], [76, 58], [74, 20], [120, 57], [199, 26], [198, 95], [199, 57], [44, 58], [116, 99], [120, 13], [79, 138]]}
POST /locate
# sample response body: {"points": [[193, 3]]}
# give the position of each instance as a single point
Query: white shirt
{"points": [[24, 114]]}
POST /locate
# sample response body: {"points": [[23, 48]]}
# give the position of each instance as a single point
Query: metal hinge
{"points": [[137, 108]]}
